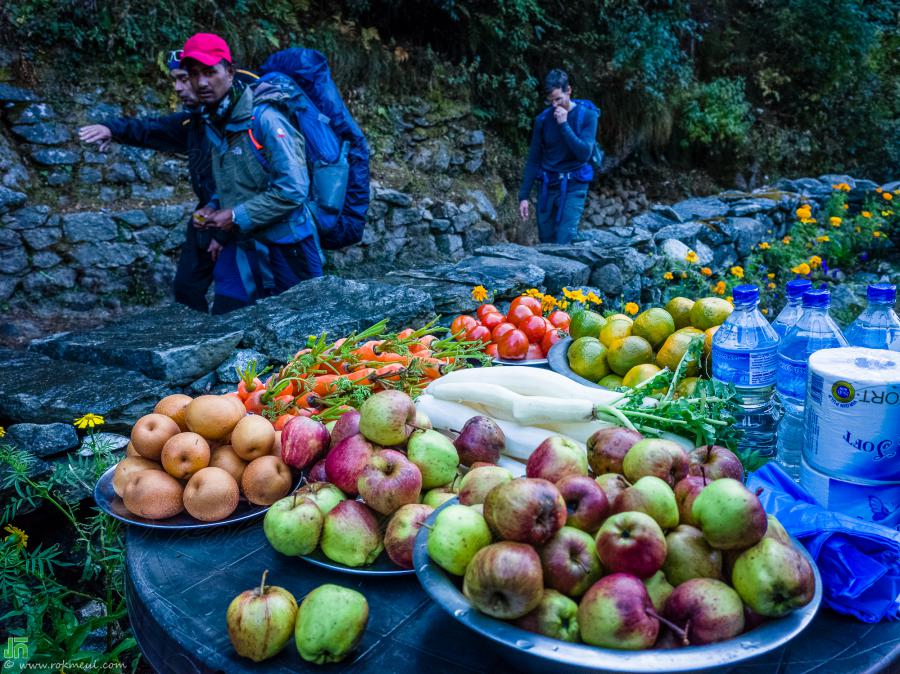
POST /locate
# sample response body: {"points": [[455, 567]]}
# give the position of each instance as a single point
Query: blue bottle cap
{"points": [[745, 293], [818, 297], [882, 292], [797, 287]]}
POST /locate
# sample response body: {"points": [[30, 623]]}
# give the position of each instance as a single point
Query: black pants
{"points": [[194, 273]]}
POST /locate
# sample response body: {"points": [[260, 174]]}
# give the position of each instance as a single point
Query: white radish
{"points": [[581, 432], [526, 410], [517, 468]]}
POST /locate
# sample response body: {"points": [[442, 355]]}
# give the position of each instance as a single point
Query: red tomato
{"points": [[551, 338], [560, 319], [518, 314], [513, 345], [532, 303], [534, 352], [492, 320], [491, 350], [478, 332], [460, 325], [534, 328], [501, 330], [486, 309]]}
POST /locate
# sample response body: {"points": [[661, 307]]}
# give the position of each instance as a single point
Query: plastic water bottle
{"points": [[792, 310], [744, 353], [814, 331], [878, 326]]}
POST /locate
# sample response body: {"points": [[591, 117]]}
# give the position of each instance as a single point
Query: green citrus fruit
{"points": [[654, 325], [710, 312], [586, 323], [587, 358], [624, 354], [680, 309], [674, 349], [611, 381], [614, 329], [638, 374]]}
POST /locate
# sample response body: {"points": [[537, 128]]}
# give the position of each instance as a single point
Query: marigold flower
{"points": [[548, 303], [866, 214], [567, 293], [846, 207], [20, 538], [479, 294], [706, 271], [534, 292], [802, 269], [770, 286], [593, 299], [803, 212], [632, 308], [692, 257], [876, 234], [887, 196], [834, 221], [719, 288], [765, 312], [578, 296], [764, 245], [89, 420], [823, 239], [730, 299], [2, 432], [786, 240], [668, 276], [815, 262], [563, 304], [770, 275], [737, 272]]}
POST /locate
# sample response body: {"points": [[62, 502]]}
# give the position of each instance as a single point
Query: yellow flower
{"points": [[887, 213], [802, 269], [719, 288], [876, 234], [786, 240], [765, 312], [548, 303], [2, 432], [764, 245], [866, 214], [479, 294], [846, 207], [887, 196], [803, 212], [562, 304], [19, 536], [89, 420], [668, 276], [770, 275], [534, 292], [691, 257], [770, 286], [730, 299], [879, 190], [815, 262], [843, 187], [834, 221], [593, 299], [578, 296], [737, 272], [823, 239], [567, 293], [632, 308], [706, 271]]}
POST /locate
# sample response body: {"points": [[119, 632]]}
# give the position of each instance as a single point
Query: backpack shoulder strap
{"points": [[254, 140]]}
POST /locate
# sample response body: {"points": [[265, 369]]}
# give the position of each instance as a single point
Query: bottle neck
{"points": [[795, 301]]}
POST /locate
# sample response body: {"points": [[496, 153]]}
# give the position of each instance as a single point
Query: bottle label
{"points": [[745, 368], [792, 377]]}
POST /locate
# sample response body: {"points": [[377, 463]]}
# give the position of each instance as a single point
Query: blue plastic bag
{"points": [[859, 560]]}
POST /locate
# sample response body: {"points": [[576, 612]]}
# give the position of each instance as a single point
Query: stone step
{"points": [[559, 272]]}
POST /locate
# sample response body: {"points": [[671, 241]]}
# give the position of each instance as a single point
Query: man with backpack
{"points": [[562, 156], [261, 178]]}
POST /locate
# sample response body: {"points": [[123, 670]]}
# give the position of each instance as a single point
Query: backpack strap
{"points": [[257, 146]]}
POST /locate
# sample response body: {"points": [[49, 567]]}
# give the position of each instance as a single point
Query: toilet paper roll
{"points": [[852, 418], [878, 503]]}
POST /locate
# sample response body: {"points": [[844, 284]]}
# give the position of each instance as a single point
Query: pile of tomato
{"points": [[523, 333]]}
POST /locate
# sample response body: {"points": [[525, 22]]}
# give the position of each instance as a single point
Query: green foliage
{"points": [[42, 586], [716, 115]]}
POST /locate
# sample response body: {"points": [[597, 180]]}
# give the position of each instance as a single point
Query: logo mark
{"points": [[842, 391], [16, 648]]}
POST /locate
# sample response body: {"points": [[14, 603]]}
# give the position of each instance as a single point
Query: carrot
{"points": [[405, 334], [390, 372], [432, 367], [244, 389], [324, 384], [367, 351], [391, 358], [285, 398], [253, 403], [307, 400], [426, 340], [282, 420]]}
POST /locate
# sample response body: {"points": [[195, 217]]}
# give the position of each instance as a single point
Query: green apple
{"points": [[351, 534], [729, 515], [330, 622], [688, 555], [292, 525], [556, 616], [435, 456], [773, 579], [659, 589], [260, 621], [438, 496], [457, 534], [650, 495], [323, 494]]}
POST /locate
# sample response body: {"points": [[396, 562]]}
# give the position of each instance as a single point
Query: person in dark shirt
{"points": [[562, 141]]}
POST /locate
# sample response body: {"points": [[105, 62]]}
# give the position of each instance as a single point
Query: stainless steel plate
{"points": [[110, 503], [534, 652], [382, 566], [535, 362]]}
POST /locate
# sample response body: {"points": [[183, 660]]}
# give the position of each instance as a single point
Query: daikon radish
{"points": [[517, 468], [525, 410], [529, 381], [581, 432]]}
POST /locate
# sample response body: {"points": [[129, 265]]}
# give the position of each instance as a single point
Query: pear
{"points": [[729, 515], [260, 621], [688, 555], [330, 622]]}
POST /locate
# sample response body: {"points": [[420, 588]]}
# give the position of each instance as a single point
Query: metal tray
{"points": [[535, 652], [558, 361], [534, 362], [110, 503], [382, 566]]}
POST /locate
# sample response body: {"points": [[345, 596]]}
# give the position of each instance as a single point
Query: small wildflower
{"points": [[20, 538], [719, 288], [802, 269], [786, 240], [866, 214], [764, 245], [578, 296], [730, 299], [692, 257], [876, 234], [668, 276], [548, 303], [567, 293], [879, 190], [770, 275], [479, 294], [803, 212], [846, 207], [2, 432], [843, 187], [563, 304], [593, 299], [534, 292], [887, 213], [765, 312], [834, 221], [823, 239], [89, 420], [815, 262], [887, 196], [737, 272], [706, 271], [632, 308], [770, 286]]}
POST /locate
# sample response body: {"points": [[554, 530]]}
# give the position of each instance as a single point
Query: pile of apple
{"points": [[371, 481], [663, 548], [201, 455]]}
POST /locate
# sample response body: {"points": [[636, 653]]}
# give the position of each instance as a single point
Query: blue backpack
{"points": [[298, 81]]}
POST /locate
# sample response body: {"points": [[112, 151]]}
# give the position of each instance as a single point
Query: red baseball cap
{"points": [[206, 48]]}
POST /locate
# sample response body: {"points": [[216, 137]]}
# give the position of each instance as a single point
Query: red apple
{"points": [[317, 472], [504, 580], [303, 441], [616, 612], [401, 532], [477, 483], [387, 418], [607, 447], [631, 542], [685, 492], [344, 427], [480, 440], [570, 562], [388, 481], [555, 458], [715, 462], [346, 461], [664, 459], [527, 510], [586, 502]]}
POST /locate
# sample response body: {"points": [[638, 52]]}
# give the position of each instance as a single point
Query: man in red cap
{"points": [[262, 183]]}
